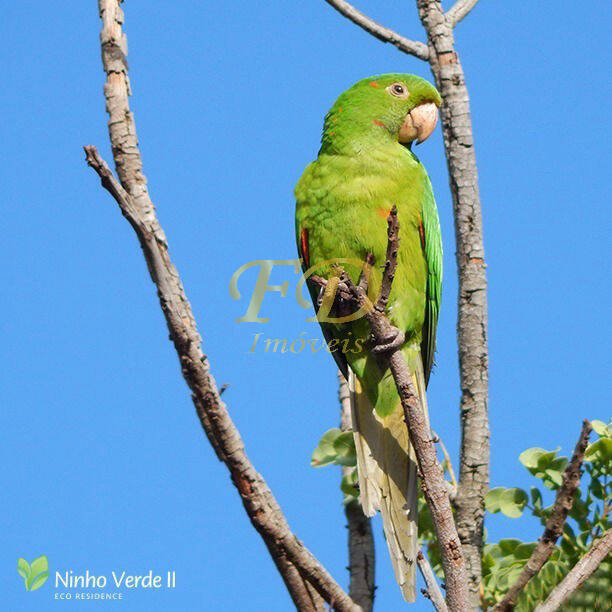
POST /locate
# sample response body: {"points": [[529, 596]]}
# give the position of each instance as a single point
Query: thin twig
{"points": [[300, 570], [460, 10], [554, 525], [447, 458], [433, 591], [412, 47], [579, 574], [390, 259]]}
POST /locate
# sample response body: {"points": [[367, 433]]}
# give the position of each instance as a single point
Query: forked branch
{"points": [[554, 525], [308, 582], [579, 574], [460, 10]]}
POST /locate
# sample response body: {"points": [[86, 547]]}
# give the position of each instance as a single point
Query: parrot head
{"points": [[400, 108]]}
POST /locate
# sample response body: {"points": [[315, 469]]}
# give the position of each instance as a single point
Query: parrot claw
{"points": [[392, 342]]}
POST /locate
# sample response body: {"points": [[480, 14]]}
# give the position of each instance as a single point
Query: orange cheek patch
{"points": [[378, 122]]}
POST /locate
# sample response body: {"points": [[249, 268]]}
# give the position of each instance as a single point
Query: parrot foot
{"points": [[393, 341]]}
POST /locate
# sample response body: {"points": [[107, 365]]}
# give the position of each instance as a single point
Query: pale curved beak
{"points": [[419, 123]]}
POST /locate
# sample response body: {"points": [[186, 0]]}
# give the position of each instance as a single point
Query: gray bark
{"points": [[472, 318], [579, 574], [360, 539], [306, 579], [433, 590]]}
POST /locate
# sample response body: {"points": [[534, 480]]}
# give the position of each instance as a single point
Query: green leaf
{"points": [[529, 457], [583, 538], [600, 451], [508, 545], [344, 447], [546, 458], [492, 499], [23, 567], [579, 509], [513, 501], [597, 489], [559, 464], [524, 550], [508, 501], [536, 498], [324, 453], [601, 429], [487, 563], [349, 485], [555, 476], [568, 548], [39, 581]]}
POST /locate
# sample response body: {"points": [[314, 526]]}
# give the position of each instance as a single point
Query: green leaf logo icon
{"points": [[34, 574]]}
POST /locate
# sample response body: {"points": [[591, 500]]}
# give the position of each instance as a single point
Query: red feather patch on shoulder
{"points": [[304, 247], [422, 235], [378, 122]]}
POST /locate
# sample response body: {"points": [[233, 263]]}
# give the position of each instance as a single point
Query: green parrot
{"points": [[365, 167]]}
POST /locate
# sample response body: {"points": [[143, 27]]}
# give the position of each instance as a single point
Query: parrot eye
{"points": [[398, 90]]}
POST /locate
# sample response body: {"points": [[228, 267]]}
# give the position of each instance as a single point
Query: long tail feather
{"points": [[388, 477]]}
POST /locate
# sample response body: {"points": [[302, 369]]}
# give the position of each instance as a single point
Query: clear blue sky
{"points": [[105, 464]]}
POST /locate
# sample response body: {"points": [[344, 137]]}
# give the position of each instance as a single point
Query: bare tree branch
{"points": [[459, 10], [299, 569], [433, 484], [453, 482], [390, 260], [412, 47], [360, 539], [433, 591], [579, 574], [554, 525]]}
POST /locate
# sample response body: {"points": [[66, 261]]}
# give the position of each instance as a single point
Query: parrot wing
{"points": [[431, 241], [326, 328]]}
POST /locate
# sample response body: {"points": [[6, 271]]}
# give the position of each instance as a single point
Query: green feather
{"points": [[342, 198]]}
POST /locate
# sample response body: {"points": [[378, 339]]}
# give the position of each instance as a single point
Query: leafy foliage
{"points": [[503, 561], [588, 519], [337, 447]]}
